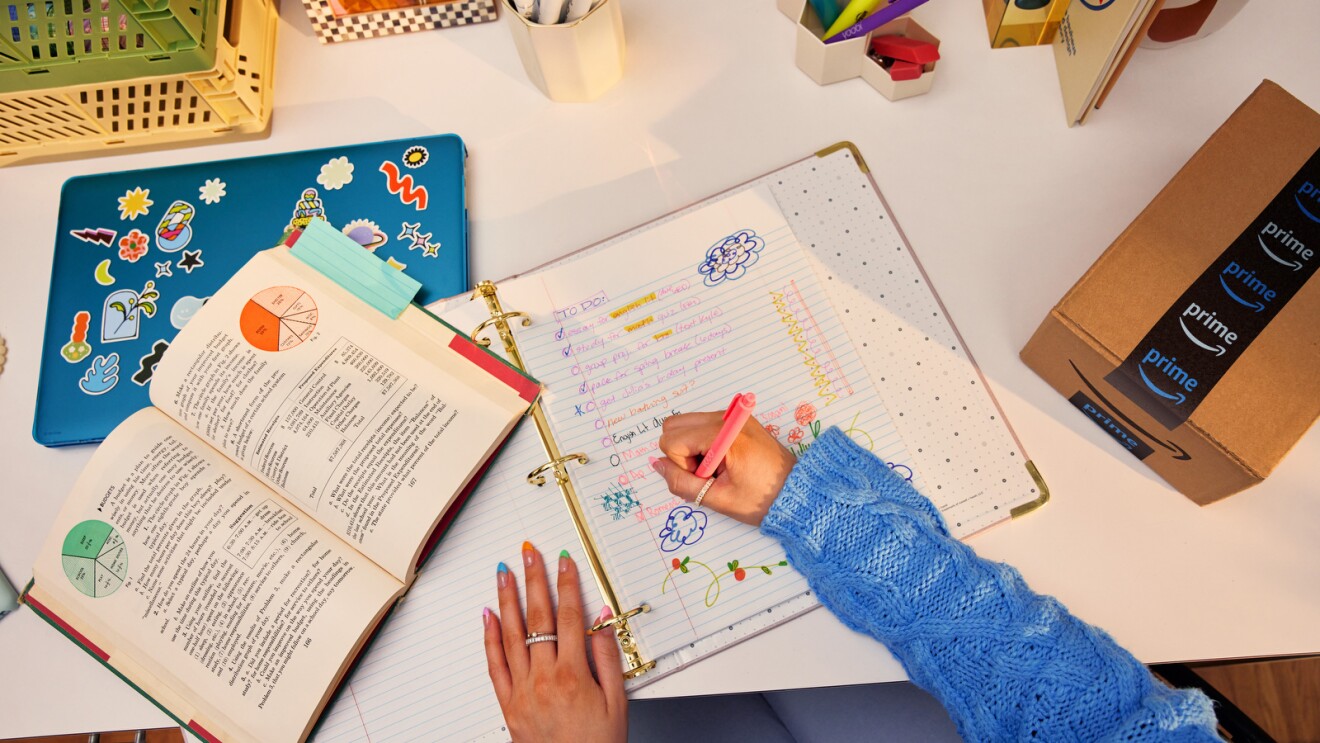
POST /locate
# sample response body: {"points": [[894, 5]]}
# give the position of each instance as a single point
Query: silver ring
{"points": [[702, 494], [535, 637]]}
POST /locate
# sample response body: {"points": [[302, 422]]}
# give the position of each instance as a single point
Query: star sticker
{"points": [[430, 251], [191, 259], [409, 231], [163, 269]]}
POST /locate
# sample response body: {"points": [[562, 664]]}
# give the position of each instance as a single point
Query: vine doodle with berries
{"points": [[738, 571]]}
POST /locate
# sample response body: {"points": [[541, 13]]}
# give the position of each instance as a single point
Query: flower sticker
{"points": [[213, 191], [336, 174], [133, 246], [729, 259], [682, 526]]}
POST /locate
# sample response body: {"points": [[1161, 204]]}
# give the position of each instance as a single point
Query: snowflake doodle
{"points": [[729, 259], [213, 190], [336, 174], [619, 501]]}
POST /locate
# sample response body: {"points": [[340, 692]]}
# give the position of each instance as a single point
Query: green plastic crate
{"points": [[55, 43]]}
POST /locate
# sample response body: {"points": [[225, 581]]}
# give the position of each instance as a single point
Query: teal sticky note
{"points": [[345, 262]]}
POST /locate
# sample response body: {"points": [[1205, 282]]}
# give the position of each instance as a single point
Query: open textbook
{"points": [[673, 317], [230, 550]]}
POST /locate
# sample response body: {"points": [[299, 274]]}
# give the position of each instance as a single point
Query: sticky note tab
{"points": [[336, 256]]}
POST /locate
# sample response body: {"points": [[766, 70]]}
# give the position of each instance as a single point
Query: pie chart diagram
{"points": [[95, 558], [278, 318]]}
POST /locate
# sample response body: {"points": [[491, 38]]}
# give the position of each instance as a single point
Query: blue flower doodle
{"points": [[731, 257], [101, 376], [683, 526]]}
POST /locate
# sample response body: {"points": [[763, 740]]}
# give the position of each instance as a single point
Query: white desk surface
{"points": [[1003, 203]]}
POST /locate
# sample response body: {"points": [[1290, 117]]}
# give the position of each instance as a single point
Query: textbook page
{"points": [[679, 318], [425, 678], [207, 590], [365, 423]]}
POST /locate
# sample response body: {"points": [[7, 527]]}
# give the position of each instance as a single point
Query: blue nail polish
{"points": [[503, 568]]}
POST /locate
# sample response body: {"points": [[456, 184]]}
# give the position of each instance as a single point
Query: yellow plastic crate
{"points": [[232, 99]]}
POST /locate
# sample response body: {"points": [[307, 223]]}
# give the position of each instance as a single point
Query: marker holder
{"points": [[879, 77], [826, 63], [571, 62]]}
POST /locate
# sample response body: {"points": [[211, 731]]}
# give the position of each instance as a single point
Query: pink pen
{"points": [[740, 409]]}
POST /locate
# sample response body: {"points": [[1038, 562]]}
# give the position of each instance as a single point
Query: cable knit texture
{"points": [[1007, 663]]}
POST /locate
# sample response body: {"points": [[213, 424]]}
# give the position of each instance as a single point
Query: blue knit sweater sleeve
{"points": [[1007, 663]]}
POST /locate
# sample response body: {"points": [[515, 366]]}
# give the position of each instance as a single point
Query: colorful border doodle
{"points": [[729, 259], [77, 348], [147, 364], [102, 375], [403, 186], [738, 571]]}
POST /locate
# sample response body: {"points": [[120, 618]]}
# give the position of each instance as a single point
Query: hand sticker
{"points": [[101, 376]]}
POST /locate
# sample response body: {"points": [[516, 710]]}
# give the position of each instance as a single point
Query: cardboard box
{"points": [[1194, 340]]}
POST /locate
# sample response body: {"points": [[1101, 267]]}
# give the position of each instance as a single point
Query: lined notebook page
{"points": [[424, 678], [680, 318]]}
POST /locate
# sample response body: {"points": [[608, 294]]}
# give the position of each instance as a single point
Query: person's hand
{"points": [[546, 690], [746, 482]]}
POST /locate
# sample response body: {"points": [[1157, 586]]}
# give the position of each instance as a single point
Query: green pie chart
{"points": [[95, 558]]}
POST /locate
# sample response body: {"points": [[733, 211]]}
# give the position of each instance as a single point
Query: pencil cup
{"points": [[879, 77], [827, 63], [573, 62]]}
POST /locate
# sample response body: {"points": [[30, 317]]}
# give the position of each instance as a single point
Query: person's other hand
{"points": [[746, 482], [546, 690]]}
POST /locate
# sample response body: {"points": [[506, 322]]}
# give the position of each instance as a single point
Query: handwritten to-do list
{"points": [[678, 319]]}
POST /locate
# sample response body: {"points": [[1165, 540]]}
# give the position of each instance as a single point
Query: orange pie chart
{"points": [[278, 318]]}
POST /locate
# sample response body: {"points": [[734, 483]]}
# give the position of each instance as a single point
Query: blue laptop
{"points": [[137, 252]]}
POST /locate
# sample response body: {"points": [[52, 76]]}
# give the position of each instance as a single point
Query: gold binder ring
{"points": [[538, 478], [624, 617], [496, 319]]}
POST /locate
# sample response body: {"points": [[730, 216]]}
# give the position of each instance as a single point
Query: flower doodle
{"points": [[731, 257], [683, 526]]}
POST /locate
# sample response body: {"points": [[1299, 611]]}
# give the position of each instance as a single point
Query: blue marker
{"points": [[827, 10]]}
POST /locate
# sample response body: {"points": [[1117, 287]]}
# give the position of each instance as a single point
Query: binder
{"points": [[839, 217]]}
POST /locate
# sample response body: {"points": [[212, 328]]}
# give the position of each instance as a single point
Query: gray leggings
{"points": [[873, 712]]}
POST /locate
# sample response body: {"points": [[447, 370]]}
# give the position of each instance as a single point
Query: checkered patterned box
{"points": [[332, 27]]}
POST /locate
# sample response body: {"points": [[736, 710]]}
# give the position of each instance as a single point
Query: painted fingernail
{"points": [[485, 616], [605, 613], [502, 575], [658, 465], [564, 561], [529, 554]]}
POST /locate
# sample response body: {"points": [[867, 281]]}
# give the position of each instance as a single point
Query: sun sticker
{"points": [[134, 204], [415, 157]]}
